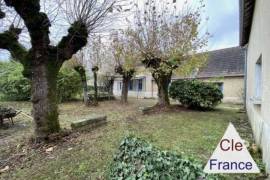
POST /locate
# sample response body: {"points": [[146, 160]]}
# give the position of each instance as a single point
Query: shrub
{"points": [[13, 86], [68, 84], [196, 94], [137, 159]]}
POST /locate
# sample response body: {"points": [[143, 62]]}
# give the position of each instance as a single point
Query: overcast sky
{"points": [[223, 24]]}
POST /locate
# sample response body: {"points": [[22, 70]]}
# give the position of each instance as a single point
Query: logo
{"points": [[231, 155]]}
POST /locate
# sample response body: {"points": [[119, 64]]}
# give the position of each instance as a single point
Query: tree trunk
{"points": [[81, 71], [1, 121], [163, 83], [95, 103], [111, 87], [44, 99], [124, 96]]}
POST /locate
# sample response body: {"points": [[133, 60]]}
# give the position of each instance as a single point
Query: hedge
{"points": [[13, 86], [69, 84], [196, 94]]}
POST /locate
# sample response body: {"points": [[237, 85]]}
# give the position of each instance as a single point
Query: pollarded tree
{"points": [[167, 40], [125, 58], [96, 57], [43, 61], [107, 70]]}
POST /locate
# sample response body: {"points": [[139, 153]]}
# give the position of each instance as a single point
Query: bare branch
{"points": [[124, 54], [165, 36], [96, 14]]}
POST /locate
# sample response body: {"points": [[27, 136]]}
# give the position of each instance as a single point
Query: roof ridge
{"points": [[234, 47]]}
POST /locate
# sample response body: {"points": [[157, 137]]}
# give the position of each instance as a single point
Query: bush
{"points": [[137, 159], [15, 87], [69, 84], [196, 94]]}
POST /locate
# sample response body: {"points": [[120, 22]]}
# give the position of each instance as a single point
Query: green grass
{"points": [[89, 154]]}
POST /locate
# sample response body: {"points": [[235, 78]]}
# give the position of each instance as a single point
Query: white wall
{"points": [[233, 88], [259, 45], [145, 93]]}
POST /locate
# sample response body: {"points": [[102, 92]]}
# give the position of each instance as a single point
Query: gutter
{"points": [[209, 77]]}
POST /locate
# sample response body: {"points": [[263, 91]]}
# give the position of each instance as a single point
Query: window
{"points": [[140, 85], [130, 85], [258, 80]]}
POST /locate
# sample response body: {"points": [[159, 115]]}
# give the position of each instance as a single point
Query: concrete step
{"points": [[90, 123]]}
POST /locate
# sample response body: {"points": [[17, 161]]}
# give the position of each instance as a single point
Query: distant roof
{"points": [[224, 62], [246, 16]]}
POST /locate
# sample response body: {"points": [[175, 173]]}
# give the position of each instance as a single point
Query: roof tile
{"points": [[224, 62]]}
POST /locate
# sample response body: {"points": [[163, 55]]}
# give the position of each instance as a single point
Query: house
{"points": [[255, 37], [224, 67]]}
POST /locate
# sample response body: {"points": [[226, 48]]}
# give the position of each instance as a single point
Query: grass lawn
{"points": [[86, 155]]}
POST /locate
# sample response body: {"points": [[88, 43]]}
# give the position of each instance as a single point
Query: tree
{"points": [[97, 54], [43, 61], [107, 70], [166, 40], [125, 58], [92, 55]]}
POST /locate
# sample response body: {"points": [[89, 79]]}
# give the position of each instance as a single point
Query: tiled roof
{"points": [[224, 62]]}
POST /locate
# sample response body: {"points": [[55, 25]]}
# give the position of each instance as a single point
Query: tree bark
{"points": [[124, 96], [126, 75], [81, 71], [163, 82], [95, 100], [111, 82], [44, 99]]}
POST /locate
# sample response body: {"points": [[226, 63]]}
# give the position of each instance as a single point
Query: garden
{"points": [[59, 118], [88, 154]]}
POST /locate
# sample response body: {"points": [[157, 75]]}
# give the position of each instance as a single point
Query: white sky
{"points": [[223, 24]]}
